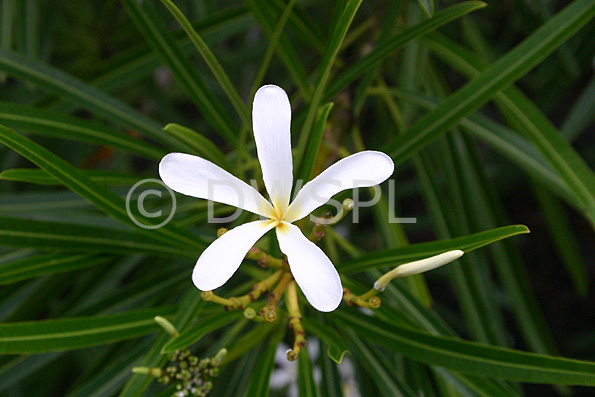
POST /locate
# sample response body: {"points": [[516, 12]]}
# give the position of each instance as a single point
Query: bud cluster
{"points": [[194, 376]]}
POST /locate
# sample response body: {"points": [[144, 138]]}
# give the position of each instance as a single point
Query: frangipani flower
{"points": [[310, 267]]}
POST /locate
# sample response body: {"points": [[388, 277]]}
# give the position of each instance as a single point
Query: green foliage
{"points": [[485, 110]]}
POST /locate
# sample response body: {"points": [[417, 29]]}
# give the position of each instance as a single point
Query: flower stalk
{"points": [[368, 299], [269, 311], [318, 230], [265, 260], [209, 296], [258, 290], [295, 322]]}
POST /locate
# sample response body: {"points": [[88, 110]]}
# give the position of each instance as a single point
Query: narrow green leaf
{"points": [[190, 306], [324, 71], [428, 320], [17, 232], [211, 62], [499, 75], [273, 44], [308, 30], [81, 94], [153, 28], [200, 329], [140, 62], [261, 374], [101, 197], [387, 379], [18, 368], [109, 379], [306, 385], [47, 264], [43, 122], [488, 211], [307, 164], [552, 144], [500, 138], [564, 240], [470, 357], [331, 384], [336, 346], [198, 144], [527, 117], [380, 53], [286, 51], [418, 251], [76, 333], [581, 115], [41, 177]]}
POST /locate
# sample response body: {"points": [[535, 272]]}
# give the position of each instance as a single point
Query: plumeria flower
{"points": [[310, 267]]}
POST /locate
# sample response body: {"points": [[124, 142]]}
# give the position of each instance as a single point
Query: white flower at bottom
{"points": [[310, 267]]}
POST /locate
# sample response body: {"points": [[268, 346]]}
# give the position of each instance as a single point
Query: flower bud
{"points": [[167, 326], [420, 266]]}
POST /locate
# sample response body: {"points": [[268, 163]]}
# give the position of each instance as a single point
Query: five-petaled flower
{"points": [[310, 267]]}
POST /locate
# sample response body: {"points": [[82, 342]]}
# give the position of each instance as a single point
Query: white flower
{"points": [[310, 267]]}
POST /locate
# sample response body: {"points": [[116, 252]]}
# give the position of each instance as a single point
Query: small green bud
{"points": [[154, 372], [348, 204], [167, 326], [219, 357], [249, 313]]}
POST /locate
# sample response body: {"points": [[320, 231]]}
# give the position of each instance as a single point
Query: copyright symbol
{"points": [[140, 203]]}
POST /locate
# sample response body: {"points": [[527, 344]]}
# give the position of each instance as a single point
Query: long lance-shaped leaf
{"points": [[499, 75], [423, 250], [410, 309], [390, 46], [17, 232], [107, 380], [500, 138], [47, 264], [304, 173], [527, 117], [336, 346], [285, 49], [41, 177], [488, 211], [76, 333], [272, 47], [81, 94], [211, 61], [261, 375], [190, 306], [470, 357], [203, 327], [101, 197], [306, 385], [151, 25], [308, 30], [388, 380], [43, 122], [198, 144], [324, 72], [140, 62]]}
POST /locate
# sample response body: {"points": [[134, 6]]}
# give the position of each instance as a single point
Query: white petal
{"points": [[361, 169], [222, 258], [271, 118], [311, 268], [197, 177]]}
